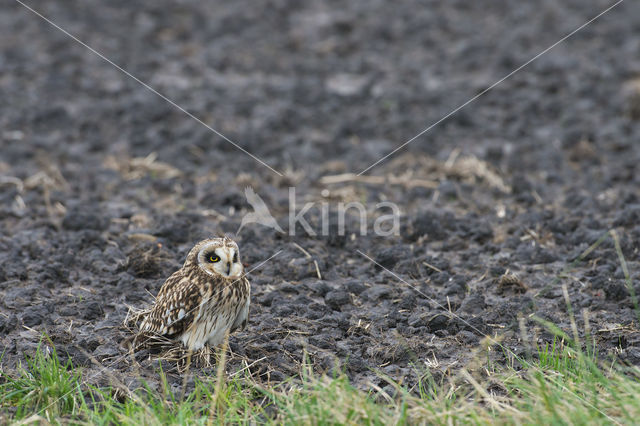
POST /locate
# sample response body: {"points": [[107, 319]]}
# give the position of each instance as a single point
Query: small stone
{"points": [[336, 299], [438, 322], [92, 311], [33, 316], [355, 287], [346, 84]]}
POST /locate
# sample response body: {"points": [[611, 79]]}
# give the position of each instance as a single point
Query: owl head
{"points": [[218, 257]]}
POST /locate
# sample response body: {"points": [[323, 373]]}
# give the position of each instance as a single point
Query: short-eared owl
{"points": [[206, 297]]}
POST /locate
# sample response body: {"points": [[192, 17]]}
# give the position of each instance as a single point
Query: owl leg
{"points": [[190, 342], [215, 339]]}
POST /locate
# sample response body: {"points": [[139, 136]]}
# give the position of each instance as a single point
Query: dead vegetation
{"points": [[139, 167], [147, 259], [419, 170]]}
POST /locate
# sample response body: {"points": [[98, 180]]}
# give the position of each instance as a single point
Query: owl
{"points": [[204, 299]]}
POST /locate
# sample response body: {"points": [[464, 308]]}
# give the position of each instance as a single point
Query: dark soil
{"points": [[105, 187]]}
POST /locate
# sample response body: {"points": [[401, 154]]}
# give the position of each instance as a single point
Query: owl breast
{"points": [[219, 315]]}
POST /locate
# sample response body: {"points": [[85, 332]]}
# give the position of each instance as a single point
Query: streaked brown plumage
{"points": [[204, 299]]}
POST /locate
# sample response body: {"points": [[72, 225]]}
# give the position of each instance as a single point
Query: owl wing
{"points": [[243, 314], [176, 306]]}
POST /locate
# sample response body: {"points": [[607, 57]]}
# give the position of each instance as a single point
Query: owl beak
{"points": [[228, 268]]}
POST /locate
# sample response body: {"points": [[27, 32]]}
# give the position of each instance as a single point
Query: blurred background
{"points": [[328, 81]]}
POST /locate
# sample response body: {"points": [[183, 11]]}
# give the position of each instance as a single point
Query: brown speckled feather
{"points": [[176, 306]]}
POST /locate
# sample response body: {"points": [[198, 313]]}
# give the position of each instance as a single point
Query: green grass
{"points": [[561, 385], [45, 381]]}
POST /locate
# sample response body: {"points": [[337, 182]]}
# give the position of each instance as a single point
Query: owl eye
{"points": [[213, 258], [235, 257]]}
